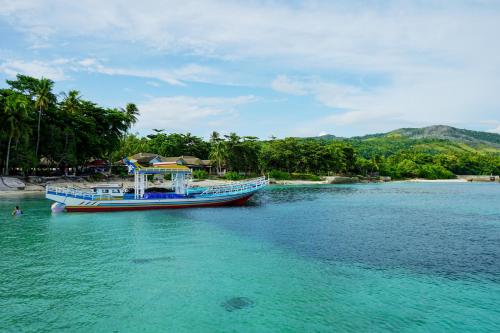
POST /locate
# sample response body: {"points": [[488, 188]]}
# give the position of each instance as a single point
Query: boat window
{"points": [[105, 191], [115, 191]]}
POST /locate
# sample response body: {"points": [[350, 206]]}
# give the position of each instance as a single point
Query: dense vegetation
{"points": [[291, 158], [403, 157], [39, 128]]}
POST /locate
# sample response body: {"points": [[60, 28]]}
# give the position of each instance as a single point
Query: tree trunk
{"points": [[6, 172], [38, 134], [110, 164]]}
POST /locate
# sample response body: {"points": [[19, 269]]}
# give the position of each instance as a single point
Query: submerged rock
{"points": [[237, 303], [148, 260]]}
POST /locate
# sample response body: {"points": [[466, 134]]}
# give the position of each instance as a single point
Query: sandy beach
{"points": [[419, 180]]}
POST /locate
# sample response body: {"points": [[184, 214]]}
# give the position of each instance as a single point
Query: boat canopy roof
{"points": [[106, 186], [134, 166], [160, 169]]}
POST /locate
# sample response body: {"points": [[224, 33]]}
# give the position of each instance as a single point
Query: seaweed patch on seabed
{"points": [[237, 303], [148, 260]]}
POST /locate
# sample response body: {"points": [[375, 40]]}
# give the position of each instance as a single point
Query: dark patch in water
{"points": [[237, 303], [148, 260]]}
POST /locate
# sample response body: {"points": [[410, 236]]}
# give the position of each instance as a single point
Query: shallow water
{"points": [[401, 257]]}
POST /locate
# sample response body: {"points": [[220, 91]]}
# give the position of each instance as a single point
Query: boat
{"points": [[113, 197]]}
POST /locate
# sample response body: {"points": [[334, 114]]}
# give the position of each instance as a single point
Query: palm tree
{"points": [[218, 153], [131, 112], [215, 136], [71, 102], [16, 111], [43, 97]]}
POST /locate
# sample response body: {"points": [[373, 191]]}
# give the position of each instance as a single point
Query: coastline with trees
{"points": [[40, 129]]}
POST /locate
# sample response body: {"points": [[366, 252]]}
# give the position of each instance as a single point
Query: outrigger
{"points": [[113, 197]]}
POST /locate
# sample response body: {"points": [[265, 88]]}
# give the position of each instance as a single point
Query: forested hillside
{"points": [[41, 131]]}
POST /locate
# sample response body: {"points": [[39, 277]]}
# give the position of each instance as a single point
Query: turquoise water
{"points": [[397, 257]]}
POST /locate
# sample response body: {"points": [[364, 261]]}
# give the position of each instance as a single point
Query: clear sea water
{"points": [[395, 257]]}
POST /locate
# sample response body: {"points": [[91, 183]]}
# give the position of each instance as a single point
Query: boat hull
{"points": [[129, 205], [78, 200]]}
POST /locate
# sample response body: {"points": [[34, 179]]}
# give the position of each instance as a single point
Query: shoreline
{"points": [[39, 189], [421, 180]]}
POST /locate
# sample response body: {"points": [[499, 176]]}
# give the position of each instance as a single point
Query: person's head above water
{"points": [[17, 211]]}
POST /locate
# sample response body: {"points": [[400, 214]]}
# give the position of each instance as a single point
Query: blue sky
{"points": [[282, 68]]}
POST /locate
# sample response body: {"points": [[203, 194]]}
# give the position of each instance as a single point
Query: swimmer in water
{"points": [[17, 211]]}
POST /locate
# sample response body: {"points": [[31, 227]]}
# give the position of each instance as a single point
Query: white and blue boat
{"points": [[113, 197]]}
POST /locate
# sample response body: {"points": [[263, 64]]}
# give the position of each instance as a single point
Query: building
{"points": [[192, 162], [146, 159]]}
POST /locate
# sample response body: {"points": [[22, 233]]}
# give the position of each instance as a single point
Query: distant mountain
{"points": [[432, 139], [440, 132], [326, 137], [443, 132]]}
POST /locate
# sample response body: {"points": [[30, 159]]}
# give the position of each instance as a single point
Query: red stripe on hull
{"points": [[236, 202]]}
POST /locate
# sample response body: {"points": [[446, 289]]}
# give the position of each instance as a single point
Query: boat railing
{"points": [[76, 193], [237, 187], [157, 170]]}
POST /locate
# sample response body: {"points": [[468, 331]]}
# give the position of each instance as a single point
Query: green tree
{"points": [[16, 114], [43, 97], [218, 151], [131, 112]]}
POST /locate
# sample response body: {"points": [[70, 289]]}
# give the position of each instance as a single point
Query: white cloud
{"points": [[495, 130], [286, 85], [177, 76], [389, 37], [185, 113], [52, 70], [458, 98], [493, 125], [58, 68], [440, 59]]}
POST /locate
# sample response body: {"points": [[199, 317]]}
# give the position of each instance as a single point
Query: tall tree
{"points": [[43, 98], [132, 112], [71, 102], [218, 151], [16, 112]]}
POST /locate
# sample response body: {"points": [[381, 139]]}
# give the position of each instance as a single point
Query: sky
{"points": [[266, 68]]}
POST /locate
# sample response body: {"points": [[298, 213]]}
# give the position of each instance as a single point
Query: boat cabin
{"points": [[113, 190]]}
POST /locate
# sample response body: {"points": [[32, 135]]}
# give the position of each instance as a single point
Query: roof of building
{"points": [[97, 163], [186, 160], [145, 158]]}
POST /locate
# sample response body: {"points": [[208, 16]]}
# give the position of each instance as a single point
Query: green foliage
{"points": [[431, 171], [65, 133], [232, 175], [279, 175], [312, 156], [200, 174], [305, 176], [175, 144], [70, 131]]}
